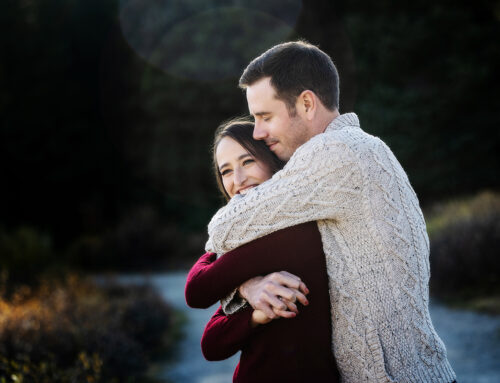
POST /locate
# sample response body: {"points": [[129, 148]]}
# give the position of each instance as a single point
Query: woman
{"points": [[292, 350]]}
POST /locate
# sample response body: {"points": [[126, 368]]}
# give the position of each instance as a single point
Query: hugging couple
{"points": [[320, 257]]}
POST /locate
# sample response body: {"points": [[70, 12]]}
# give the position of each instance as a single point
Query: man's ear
{"points": [[307, 103]]}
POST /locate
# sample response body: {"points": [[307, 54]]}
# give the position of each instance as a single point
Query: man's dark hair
{"points": [[241, 130], [294, 67]]}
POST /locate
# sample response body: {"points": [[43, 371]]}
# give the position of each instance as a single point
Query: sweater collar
{"points": [[346, 119]]}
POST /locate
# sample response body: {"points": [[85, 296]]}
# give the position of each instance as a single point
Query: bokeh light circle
{"points": [[207, 42]]}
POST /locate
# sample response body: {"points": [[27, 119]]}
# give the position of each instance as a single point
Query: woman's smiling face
{"points": [[240, 171]]}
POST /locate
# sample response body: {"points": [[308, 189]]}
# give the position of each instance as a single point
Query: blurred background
{"points": [[107, 113]]}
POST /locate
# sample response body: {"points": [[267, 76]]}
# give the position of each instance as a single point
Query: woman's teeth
{"points": [[244, 191]]}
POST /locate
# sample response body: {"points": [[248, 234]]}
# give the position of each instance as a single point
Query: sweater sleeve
{"points": [[212, 279], [318, 183], [225, 335], [197, 279]]}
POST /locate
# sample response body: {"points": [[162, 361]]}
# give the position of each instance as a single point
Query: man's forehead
{"points": [[261, 86], [261, 96]]}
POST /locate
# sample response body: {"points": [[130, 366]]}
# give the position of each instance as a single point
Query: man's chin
{"points": [[279, 151], [283, 156]]}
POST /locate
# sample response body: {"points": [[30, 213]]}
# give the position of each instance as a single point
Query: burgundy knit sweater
{"points": [[284, 350]]}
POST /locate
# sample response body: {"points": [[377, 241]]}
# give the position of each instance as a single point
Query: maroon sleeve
{"points": [[212, 279], [196, 279], [225, 335]]}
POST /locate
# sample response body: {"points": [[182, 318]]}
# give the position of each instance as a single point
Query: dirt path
{"points": [[472, 341]]}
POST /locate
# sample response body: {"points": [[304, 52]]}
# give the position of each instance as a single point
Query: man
{"points": [[373, 231]]}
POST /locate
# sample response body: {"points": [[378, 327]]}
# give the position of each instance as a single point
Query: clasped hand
{"points": [[274, 295]]}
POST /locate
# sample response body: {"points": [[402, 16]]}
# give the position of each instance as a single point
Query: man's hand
{"points": [[259, 318], [275, 294]]}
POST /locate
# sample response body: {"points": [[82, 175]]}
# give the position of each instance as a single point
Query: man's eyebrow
{"points": [[260, 113], [239, 159]]}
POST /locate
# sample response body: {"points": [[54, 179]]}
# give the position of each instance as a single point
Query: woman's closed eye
{"points": [[225, 172]]}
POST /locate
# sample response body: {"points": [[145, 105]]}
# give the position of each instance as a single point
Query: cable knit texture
{"points": [[376, 246]]}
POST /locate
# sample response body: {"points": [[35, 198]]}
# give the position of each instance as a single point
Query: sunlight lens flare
{"points": [[202, 40]]}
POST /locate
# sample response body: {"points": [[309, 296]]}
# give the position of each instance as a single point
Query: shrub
{"points": [[24, 253], [140, 241], [76, 331], [465, 239]]}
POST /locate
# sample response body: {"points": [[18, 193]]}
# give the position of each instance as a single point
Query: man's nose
{"points": [[259, 133]]}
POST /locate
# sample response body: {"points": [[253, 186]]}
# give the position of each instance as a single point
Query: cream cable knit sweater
{"points": [[376, 246]]}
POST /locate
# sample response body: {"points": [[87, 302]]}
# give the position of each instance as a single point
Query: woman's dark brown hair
{"points": [[241, 130]]}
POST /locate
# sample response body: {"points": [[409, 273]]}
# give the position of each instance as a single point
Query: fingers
{"points": [[303, 288], [291, 306], [286, 274], [301, 298], [266, 309], [286, 279], [284, 292], [276, 294], [289, 280], [273, 299], [284, 314], [291, 294], [276, 307], [268, 302]]}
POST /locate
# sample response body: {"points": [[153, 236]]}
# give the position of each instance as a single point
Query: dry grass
{"points": [[76, 331], [465, 244]]}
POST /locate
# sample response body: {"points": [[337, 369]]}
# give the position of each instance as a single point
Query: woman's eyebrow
{"points": [[239, 159], [243, 156]]}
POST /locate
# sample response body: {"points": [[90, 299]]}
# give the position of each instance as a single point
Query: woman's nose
{"points": [[239, 176]]}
